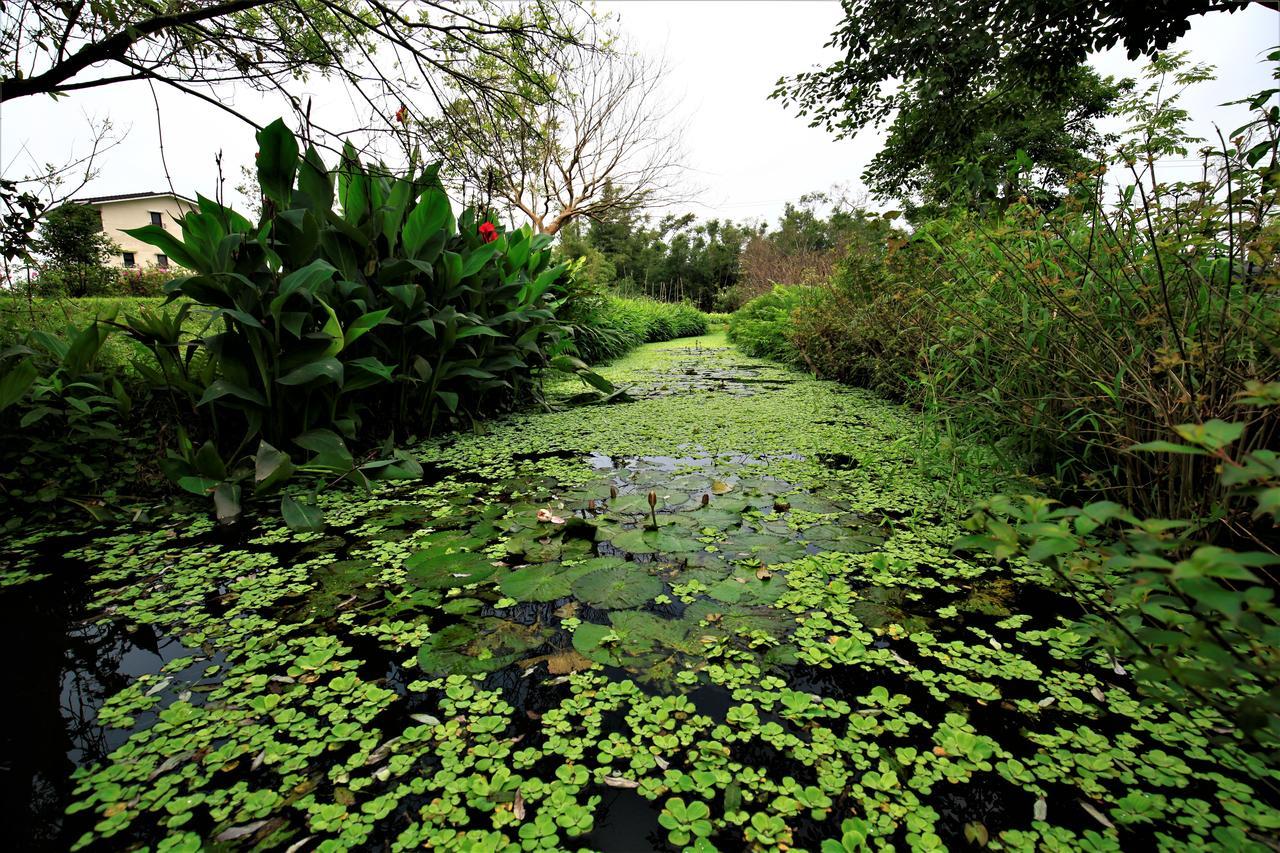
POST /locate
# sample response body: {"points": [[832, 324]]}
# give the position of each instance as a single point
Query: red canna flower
{"points": [[402, 114], [487, 232]]}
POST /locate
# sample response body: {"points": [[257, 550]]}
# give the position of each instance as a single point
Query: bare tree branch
{"points": [[602, 140]]}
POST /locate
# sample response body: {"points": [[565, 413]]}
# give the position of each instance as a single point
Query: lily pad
{"points": [[441, 570], [541, 582], [535, 546], [477, 645], [597, 643], [618, 587], [748, 589], [664, 540]]}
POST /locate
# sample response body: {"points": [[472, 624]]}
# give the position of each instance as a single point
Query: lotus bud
{"points": [[706, 499], [653, 499], [613, 491], [591, 505]]}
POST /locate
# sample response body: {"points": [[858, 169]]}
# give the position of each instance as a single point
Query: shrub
{"points": [[871, 325], [61, 411], [1072, 334], [763, 326], [1195, 623], [385, 318], [143, 281], [75, 280], [606, 326]]}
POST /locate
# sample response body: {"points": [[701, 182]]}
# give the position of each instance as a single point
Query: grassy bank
{"points": [[608, 326]]}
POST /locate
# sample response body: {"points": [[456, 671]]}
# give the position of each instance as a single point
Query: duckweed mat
{"points": [[723, 616]]}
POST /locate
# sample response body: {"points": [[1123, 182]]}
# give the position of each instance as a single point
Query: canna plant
{"points": [[357, 310]]}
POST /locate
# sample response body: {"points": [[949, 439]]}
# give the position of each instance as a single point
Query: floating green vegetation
{"points": [[527, 651]]}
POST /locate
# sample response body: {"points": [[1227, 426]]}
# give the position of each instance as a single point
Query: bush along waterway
{"points": [[724, 615]]}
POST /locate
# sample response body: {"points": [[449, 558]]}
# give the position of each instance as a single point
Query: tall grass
{"points": [[606, 326]]}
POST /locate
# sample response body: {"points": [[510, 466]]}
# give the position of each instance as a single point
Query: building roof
{"points": [[104, 199]]}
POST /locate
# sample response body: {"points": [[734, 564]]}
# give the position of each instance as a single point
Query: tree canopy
{"points": [[384, 52], [968, 85], [72, 235], [968, 160], [947, 55]]}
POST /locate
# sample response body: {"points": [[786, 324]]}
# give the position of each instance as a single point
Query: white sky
{"points": [[745, 152]]}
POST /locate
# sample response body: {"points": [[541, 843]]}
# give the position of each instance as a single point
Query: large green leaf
{"points": [[330, 450], [178, 251], [436, 568], [314, 180], [429, 217], [477, 645], [542, 582], [305, 279], [301, 516], [16, 381], [220, 388], [271, 466], [324, 369], [619, 587], [363, 324], [475, 260], [277, 161], [664, 540]]}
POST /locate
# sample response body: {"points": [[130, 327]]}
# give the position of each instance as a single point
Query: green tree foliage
{"points": [[949, 56], [968, 84], [969, 158], [52, 47], [717, 263], [674, 258], [74, 251], [72, 234], [1069, 335], [385, 55]]}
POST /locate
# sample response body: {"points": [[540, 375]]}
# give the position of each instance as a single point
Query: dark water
{"points": [[61, 669]]}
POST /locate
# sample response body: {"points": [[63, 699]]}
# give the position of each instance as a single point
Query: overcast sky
{"points": [[745, 152]]}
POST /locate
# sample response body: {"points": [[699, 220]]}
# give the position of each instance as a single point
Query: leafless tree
{"points": [[603, 140]]}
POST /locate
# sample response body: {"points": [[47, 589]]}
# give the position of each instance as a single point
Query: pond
{"points": [[724, 615]]}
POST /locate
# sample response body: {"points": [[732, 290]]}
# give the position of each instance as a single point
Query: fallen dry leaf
{"points": [[560, 663], [240, 831], [1097, 815], [620, 782]]}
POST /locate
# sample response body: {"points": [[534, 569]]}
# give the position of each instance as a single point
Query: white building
{"points": [[134, 210]]}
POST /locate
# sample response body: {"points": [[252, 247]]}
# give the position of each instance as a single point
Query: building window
{"points": [[157, 218], [162, 261], [128, 259]]}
